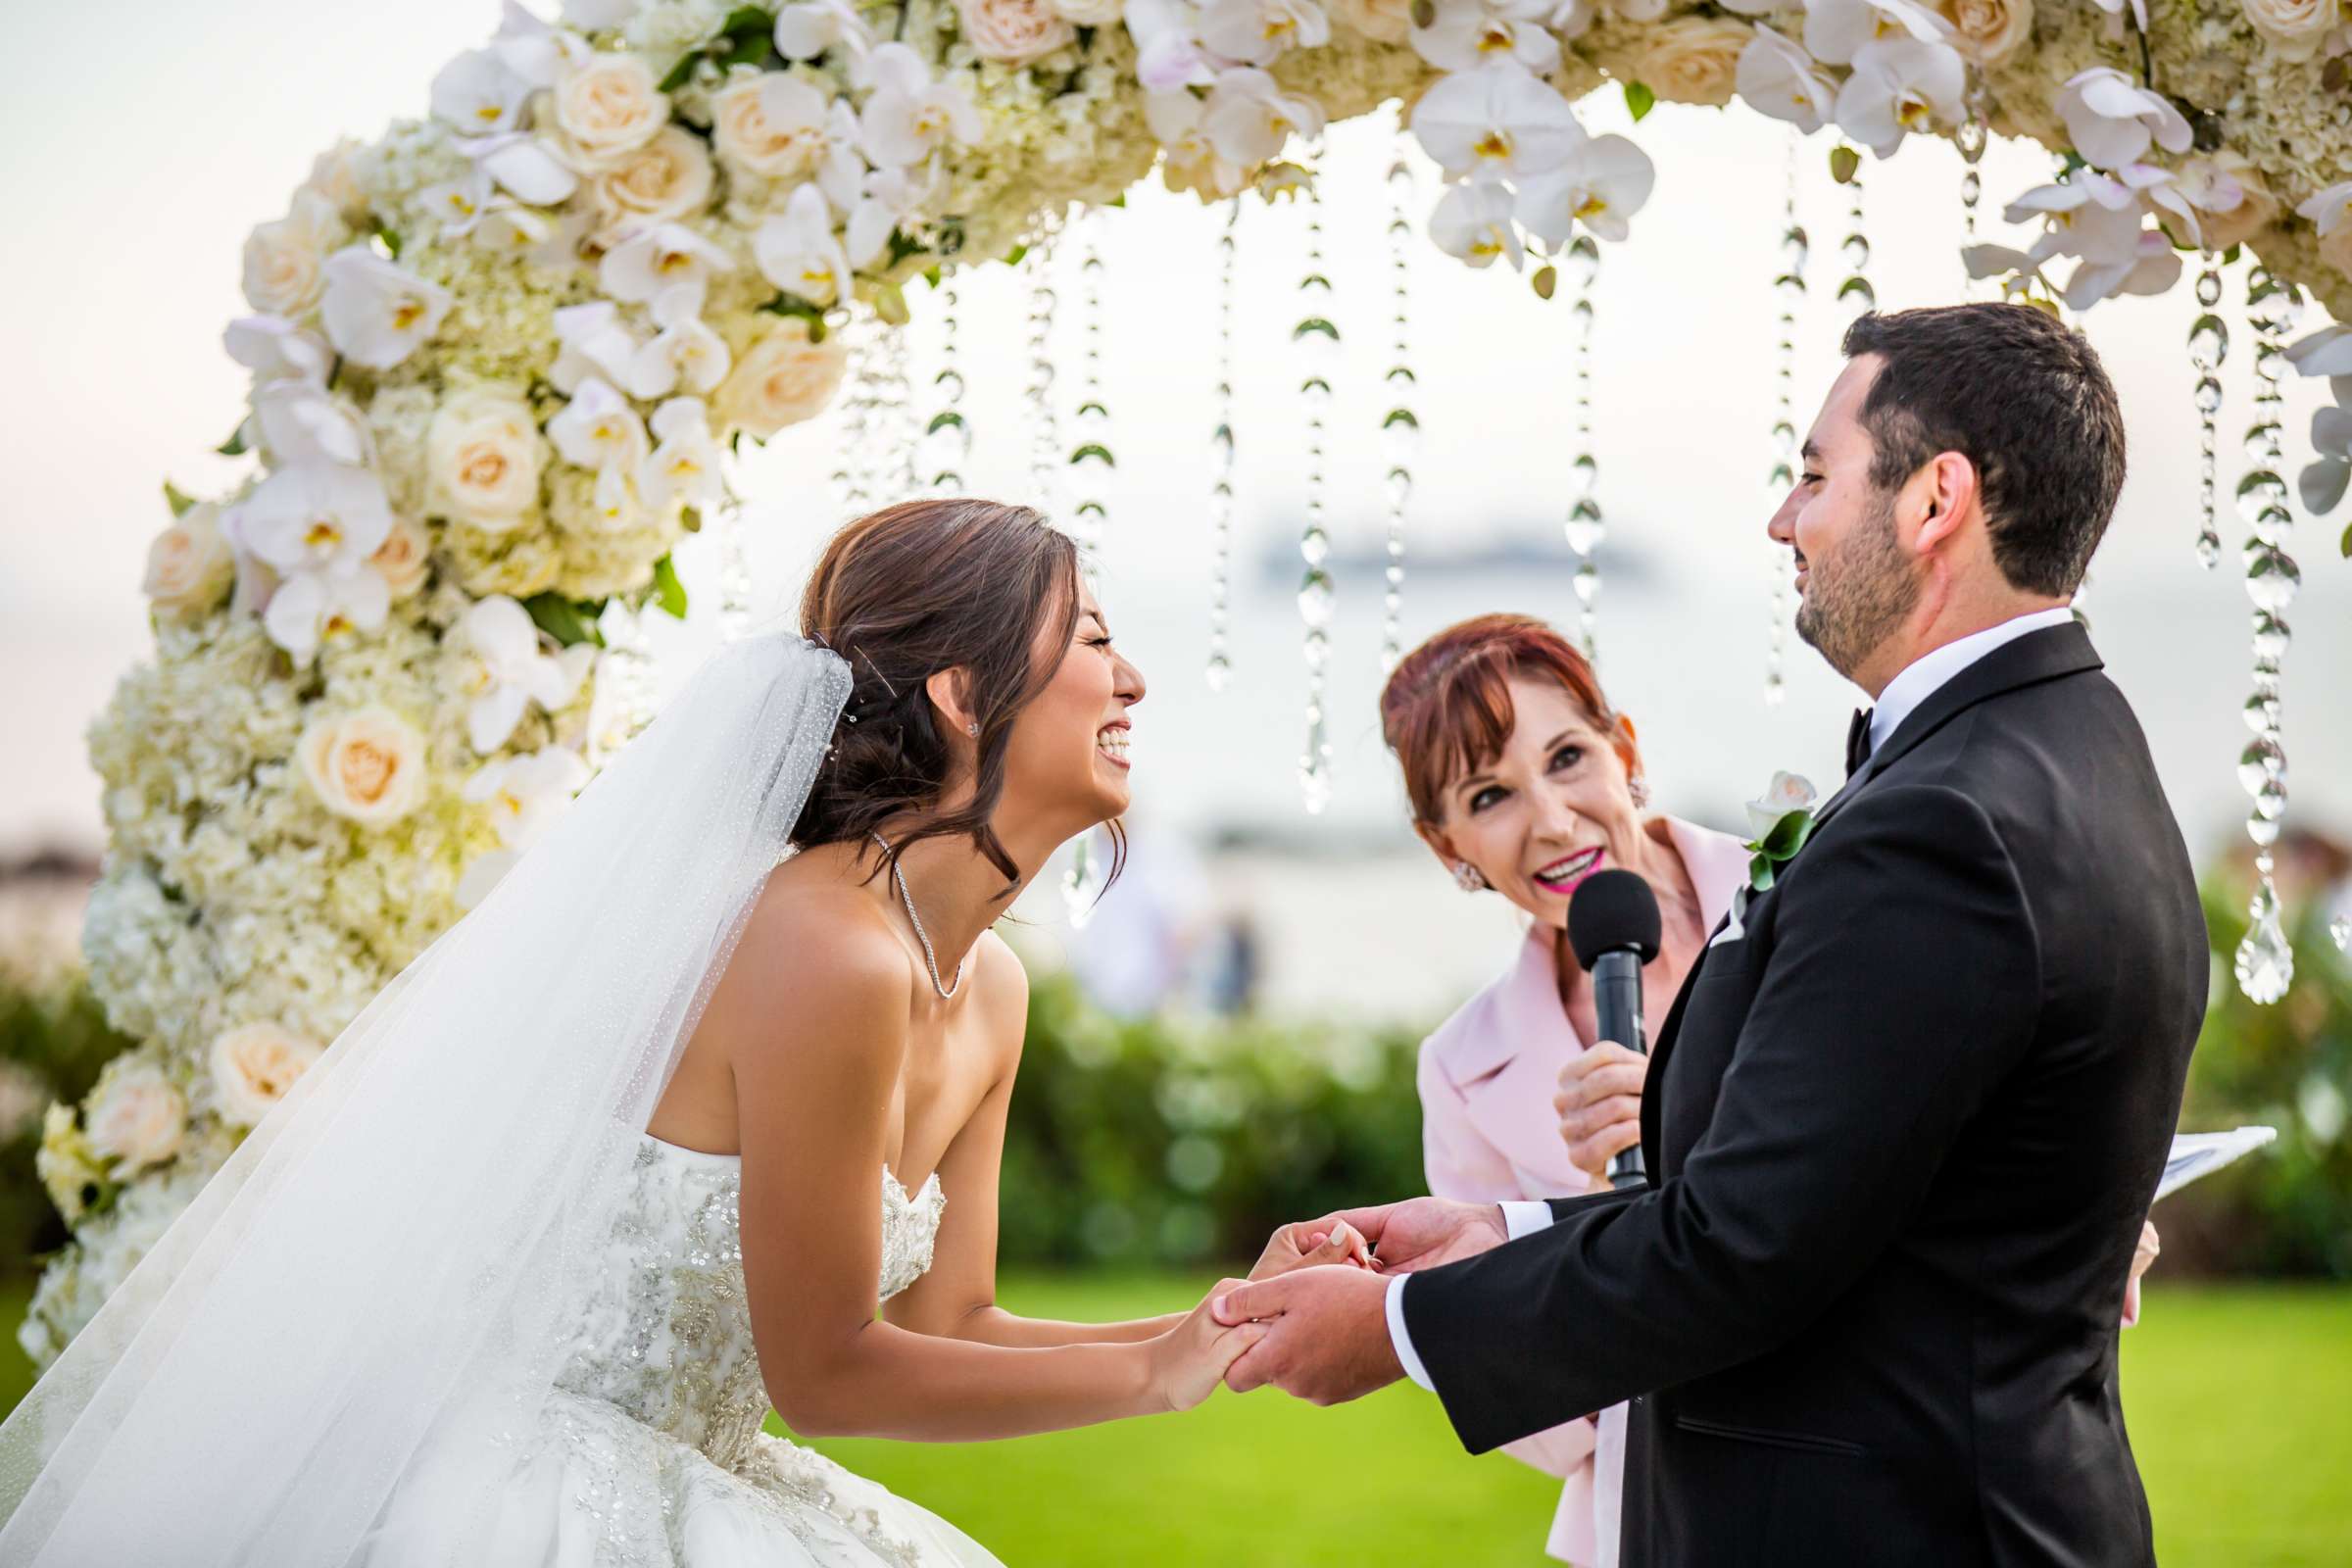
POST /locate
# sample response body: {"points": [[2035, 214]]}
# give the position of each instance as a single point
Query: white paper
{"points": [[2196, 1154]]}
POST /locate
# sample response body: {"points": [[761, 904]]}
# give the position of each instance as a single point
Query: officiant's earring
{"points": [[1468, 877], [1639, 788]]}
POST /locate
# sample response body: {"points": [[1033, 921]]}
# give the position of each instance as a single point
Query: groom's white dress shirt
{"points": [[1918, 680]]}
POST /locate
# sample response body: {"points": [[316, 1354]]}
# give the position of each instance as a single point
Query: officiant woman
{"points": [[1525, 782]]}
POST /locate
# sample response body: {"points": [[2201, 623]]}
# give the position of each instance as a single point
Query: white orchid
{"points": [[808, 29], [273, 348], [377, 311], [1168, 51], [1778, 78], [1835, 29], [530, 48], [311, 607], [523, 164], [463, 203], [478, 93], [909, 117], [525, 794], [2150, 266], [888, 197], [595, 342], [684, 353], [798, 251], [1601, 184], [2326, 352], [1474, 222], [2322, 481], [1250, 119], [598, 428], [658, 260], [300, 421], [1178, 122], [1898, 86], [1464, 34], [2112, 118], [1499, 122], [595, 15], [2209, 187], [2330, 209], [313, 517], [514, 670], [1258, 32], [685, 464]]}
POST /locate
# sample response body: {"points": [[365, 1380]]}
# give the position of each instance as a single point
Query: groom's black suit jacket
{"points": [[1904, 1131]]}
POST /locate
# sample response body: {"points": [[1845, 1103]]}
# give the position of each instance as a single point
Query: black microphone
{"points": [[1613, 925]]}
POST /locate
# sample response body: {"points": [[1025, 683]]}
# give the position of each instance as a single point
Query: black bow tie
{"points": [[1857, 742]]}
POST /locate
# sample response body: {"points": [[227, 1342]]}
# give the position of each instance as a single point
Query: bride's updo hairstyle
{"points": [[1447, 709], [902, 594]]}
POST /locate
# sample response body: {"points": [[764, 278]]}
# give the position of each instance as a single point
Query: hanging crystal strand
{"points": [[870, 372], [853, 493], [622, 702], [1971, 138], [1045, 435], [1796, 248], [949, 435], [2266, 963], [726, 523], [897, 397], [1091, 469], [2208, 347], [1317, 340], [1584, 529], [1220, 490], [1855, 296], [1401, 431]]}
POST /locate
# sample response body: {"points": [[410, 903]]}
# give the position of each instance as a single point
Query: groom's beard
{"points": [[1858, 598]]}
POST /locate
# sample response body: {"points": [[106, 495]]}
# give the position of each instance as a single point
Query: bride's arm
{"points": [[814, 1090], [958, 1296]]}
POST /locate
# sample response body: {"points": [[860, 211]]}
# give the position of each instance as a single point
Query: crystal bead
{"points": [[1398, 484], [1584, 473], [2259, 491], [1400, 436], [2262, 763], [1972, 187], [1399, 375], [1316, 599], [1855, 296], [2262, 712], [1971, 138], [1314, 545], [2209, 550], [2208, 341], [1315, 782], [1585, 530], [1854, 249], [1583, 261], [1796, 248], [1219, 673], [1586, 584], [1790, 288], [2272, 576], [2266, 963], [2208, 395], [1316, 648], [2209, 288], [1220, 442]]}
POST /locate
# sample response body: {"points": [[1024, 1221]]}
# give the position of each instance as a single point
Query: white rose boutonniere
{"points": [[1781, 820]]}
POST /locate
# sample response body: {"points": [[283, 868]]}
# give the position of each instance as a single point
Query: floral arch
{"points": [[498, 353]]}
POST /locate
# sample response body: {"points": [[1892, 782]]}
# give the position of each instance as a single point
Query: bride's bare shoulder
{"points": [[817, 927]]}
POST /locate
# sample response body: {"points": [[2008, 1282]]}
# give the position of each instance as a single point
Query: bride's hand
{"points": [[1310, 1243], [1189, 1360]]}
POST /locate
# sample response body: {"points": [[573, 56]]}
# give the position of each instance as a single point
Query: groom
{"points": [[1904, 1120]]}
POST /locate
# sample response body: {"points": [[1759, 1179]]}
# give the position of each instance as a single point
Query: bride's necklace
{"points": [[946, 992]]}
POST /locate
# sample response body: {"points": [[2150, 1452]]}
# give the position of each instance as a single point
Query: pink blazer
{"points": [[1488, 1133]]}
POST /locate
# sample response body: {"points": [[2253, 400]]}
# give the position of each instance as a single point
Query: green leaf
{"points": [[2229, 256], [234, 446], [669, 592], [1788, 835], [681, 73], [689, 520], [1012, 258], [931, 276], [390, 238], [747, 19], [902, 247], [178, 501], [2348, 541], [569, 621], [1638, 99], [1844, 163], [1759, 874]]}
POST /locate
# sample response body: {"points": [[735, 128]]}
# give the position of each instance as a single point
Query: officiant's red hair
{"points": [[1447, 709]]}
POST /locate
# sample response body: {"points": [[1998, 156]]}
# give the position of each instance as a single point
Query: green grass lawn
{"points": [[2240, 1398]]}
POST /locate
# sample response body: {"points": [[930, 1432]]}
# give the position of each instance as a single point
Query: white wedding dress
{"points": [[651, 1451]]}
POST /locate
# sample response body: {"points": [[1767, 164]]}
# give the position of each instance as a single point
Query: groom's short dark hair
{"points": [[2022, 398]]}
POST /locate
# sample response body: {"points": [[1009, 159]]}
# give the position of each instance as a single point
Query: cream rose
{"points": [[190, 566], [1013, 32], [668, 177], [1693, 60], [403, 558], [747, 138], [335, 178], [1989, 31], [481, 460], [781, 379], [367, 764], [254, 1065], [285, 260], [1385, 21], [608, 108], [139, 1119], [2296, 28]]}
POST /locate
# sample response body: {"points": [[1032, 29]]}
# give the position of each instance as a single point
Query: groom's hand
{"points": [[1325, 1334], [1424, 1232]]}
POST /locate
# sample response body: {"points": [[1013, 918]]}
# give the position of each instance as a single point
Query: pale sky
{"points": [[142, 155]]}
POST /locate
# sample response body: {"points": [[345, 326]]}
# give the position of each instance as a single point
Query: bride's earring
{"points": [[1468, 877], [1639, 787], [972, 729]]}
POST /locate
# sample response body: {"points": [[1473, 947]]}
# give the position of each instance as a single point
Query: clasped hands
{"points": [[1319, 1293]]}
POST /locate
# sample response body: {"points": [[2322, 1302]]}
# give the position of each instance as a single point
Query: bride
{"points": [[639, 1146]]}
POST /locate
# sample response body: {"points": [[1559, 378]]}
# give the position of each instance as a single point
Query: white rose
{"points": [[254, 1065], [367, 764], [335, 178], [1386, 21], [1012, 33], [1989, 31], [668, 177], [2296, 28], [1088, 13], [403, 557], [772, 124], [139, 1119], [285, 260], [481, 460], [607, 108], [781, 379], [1788, 791], [1693, 60], [190, 566]]}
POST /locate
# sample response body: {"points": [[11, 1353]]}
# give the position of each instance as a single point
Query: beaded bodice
{"points": [[666, 1334]]}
